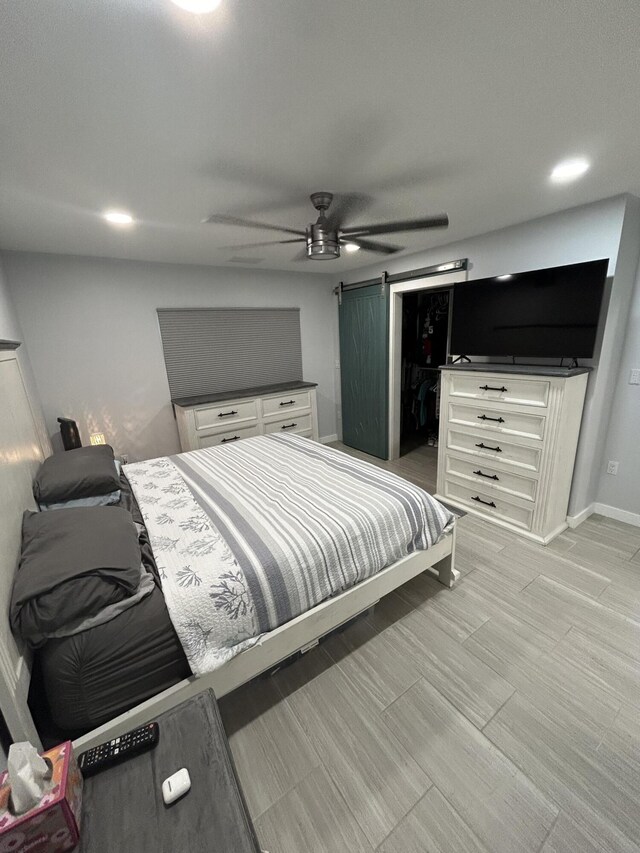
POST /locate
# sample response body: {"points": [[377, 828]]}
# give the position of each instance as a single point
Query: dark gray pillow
{"points": [[74, 563], [72, 474]]}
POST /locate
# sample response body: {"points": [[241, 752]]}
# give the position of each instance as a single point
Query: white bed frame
{"points": [[300, 634]]}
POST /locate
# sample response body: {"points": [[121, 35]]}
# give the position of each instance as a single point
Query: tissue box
{"points": [[53, 826]]}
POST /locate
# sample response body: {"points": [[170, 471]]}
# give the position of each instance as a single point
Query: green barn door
{"points": [[364, 368]]}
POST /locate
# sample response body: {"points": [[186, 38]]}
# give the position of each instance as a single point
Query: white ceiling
{"points": [[424, 106]]}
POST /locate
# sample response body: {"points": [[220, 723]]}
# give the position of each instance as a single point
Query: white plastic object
{"points": [[176, 786]]}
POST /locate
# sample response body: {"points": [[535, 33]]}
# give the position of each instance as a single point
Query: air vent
{"points": [[246, 260]]}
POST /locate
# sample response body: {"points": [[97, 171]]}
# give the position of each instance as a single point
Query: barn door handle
{"points": [[491, 388], [288, 403], [486, 503], [288, 426], [486, 447], [235, 438], [488, 476], [487, 418], [226, 414]]}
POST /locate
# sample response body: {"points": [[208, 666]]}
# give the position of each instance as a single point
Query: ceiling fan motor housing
{"points": [[322, 244]]}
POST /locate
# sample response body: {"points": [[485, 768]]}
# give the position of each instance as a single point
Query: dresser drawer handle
{"points": [[288, 426], [486, 503], [288, 403], [491, 388], [235, 438], [488, 476], [226, 414], [487, 418], [486, 447]]}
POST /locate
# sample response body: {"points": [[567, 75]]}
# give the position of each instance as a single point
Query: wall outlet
{"points": [[634, 376], [124, 458], [612, 467]]}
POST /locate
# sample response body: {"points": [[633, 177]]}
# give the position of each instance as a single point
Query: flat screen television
{"points": [[549, 313]]}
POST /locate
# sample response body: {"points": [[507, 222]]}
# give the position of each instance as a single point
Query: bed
{"points": [[213, 538]]}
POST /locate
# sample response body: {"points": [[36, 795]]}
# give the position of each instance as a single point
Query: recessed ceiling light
{"points": [[503, 277], [352, 247], [569, 170], [118, 217], [198, 7]]}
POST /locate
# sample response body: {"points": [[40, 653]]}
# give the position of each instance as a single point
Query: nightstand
{"points": [[123, 810]]}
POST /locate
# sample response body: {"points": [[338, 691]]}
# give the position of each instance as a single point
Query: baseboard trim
{"points": [[327, 439], [618, 514], [575, 520]]}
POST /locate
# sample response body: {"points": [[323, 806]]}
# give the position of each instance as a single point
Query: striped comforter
{"points": [[250, 535]]}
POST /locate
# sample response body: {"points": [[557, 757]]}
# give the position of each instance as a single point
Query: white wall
{"points": [[622, 443], [92, 331], [11, 330], [9, 326], [584, 233]]}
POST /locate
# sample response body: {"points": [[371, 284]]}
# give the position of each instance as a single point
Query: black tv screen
{"points": [[539, 314]]}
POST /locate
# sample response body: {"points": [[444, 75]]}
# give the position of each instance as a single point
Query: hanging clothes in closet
{"points": [[424, 349]]}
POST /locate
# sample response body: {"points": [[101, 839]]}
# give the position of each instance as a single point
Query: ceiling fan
{"points": [[325, 237]]}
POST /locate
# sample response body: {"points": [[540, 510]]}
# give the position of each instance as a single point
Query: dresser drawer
{"points": [[289, 402], [488, 503], [228, 437], [504, 420], [495, 447], [484, 476], [221, 414], [295, 423], [502, 388]]}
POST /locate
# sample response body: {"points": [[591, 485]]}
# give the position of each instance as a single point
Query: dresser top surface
{"points": [[240, 393], [522, 369]]}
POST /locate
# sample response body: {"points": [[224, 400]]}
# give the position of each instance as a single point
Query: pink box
{"points": [[53, 826]]}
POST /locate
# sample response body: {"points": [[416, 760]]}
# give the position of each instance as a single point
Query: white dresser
{"points": [[508, 442], [231, 416]]}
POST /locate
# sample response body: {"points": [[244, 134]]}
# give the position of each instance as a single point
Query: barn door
{"points": [[364, 366]]}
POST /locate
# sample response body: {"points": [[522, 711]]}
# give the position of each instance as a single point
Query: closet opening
{"points": [[425, 346]]}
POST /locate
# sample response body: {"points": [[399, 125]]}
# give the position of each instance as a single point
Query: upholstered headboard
{"points": [[21, 452]]}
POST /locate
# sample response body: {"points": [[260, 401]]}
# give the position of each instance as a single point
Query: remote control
{"points": [[119, 749]]}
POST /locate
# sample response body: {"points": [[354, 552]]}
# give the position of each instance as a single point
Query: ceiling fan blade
{"points": [[371, 246], [345, 206], [221, 219], [441, 221], [268, 243]]}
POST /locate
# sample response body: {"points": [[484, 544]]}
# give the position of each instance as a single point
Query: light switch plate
{"points": [[634, 377]]}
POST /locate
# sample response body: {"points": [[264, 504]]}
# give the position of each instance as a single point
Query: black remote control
{"points": [[119, 749]]}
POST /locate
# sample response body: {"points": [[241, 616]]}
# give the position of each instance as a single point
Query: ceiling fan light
{"points": [[325, 250], [352, 247], [322, 244]]}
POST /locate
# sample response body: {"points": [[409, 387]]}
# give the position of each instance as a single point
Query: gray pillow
{"points": [[74, 563], [96, 500], [72, 474]]}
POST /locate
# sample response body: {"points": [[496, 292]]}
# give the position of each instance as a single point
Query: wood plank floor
{"points": [[500, 716]]}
